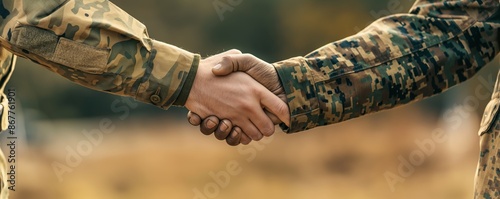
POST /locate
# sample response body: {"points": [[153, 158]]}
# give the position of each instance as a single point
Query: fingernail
{"points": [[211, 124], [191, 120], [217, 67], [224, 126]]}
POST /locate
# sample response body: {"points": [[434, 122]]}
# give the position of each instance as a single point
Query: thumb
{"points": [[273, 118], [276, 106], [233, 63]]}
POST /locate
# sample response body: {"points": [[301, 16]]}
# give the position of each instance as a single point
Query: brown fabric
{"points": [[80, 56], [35, 40]]}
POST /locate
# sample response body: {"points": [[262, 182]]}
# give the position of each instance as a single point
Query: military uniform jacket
{"points": [[396, 60], [95, 44]]}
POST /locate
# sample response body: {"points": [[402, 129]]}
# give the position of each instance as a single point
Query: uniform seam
{"points": [[316, 93], [473, 22], [305, 113]]}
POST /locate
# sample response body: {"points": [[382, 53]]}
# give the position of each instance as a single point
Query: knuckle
{"points": [[226, 60], [226, 57], [247, 55], [257, 136], [268, 130], [282, 109], [255, 90], [246, 106], [247, 58], [251, 56], [234, 51]]}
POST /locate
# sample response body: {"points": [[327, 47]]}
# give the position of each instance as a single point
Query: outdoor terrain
{"points": [[154, 158]]}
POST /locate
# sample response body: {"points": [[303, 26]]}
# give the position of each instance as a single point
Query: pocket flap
{"points": [[489, 115]]}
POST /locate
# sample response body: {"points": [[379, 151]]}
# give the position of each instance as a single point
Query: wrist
{"points": [[188, 84], [192, 97]]}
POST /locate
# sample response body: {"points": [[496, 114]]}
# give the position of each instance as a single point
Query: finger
{"points": [[263, 123], [273, 117], [223, 130], [220, 56], [232, 52], [233, 63], [251, 130], [276, 106], [193, 118], [245, 140], [226, 53], [209, 125], [234, 138]]}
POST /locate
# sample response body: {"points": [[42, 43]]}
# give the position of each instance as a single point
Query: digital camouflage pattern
{"points": [[396, 60], [400, 59], [488, 169], [95, 44]]}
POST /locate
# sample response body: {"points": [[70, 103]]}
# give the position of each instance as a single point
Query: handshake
{"points": [[238, 97]]}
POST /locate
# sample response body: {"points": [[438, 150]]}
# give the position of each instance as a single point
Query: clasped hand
{"points": [[237, 96]]}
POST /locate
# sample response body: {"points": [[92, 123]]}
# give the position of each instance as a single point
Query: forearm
{"points": [[98, 45], [396, 60]]}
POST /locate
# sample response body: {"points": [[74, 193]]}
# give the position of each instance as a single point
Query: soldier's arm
{"points": [[96, 44], [396, 60]]}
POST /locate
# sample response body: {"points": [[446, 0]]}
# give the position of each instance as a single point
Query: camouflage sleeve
{"points": [[96, 44], [396, 60]]}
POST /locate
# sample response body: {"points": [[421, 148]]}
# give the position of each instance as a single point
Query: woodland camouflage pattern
{"points": [[400, 59], [95, 44]]}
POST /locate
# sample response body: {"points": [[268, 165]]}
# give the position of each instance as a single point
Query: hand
{"points": [[237, 98], [261, 71]]}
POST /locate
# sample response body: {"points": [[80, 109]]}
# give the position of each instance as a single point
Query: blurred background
{"points": [[153, 153]]}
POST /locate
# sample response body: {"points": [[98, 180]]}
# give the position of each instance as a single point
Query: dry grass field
{"points": [[157, 159]]}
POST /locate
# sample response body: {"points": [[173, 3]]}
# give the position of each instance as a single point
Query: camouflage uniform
{"points": [[400, 59], [95, 44]]}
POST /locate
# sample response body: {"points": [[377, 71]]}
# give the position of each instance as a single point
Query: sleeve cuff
{"points": [[301, 91], [169, 76], [188, 84]]}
